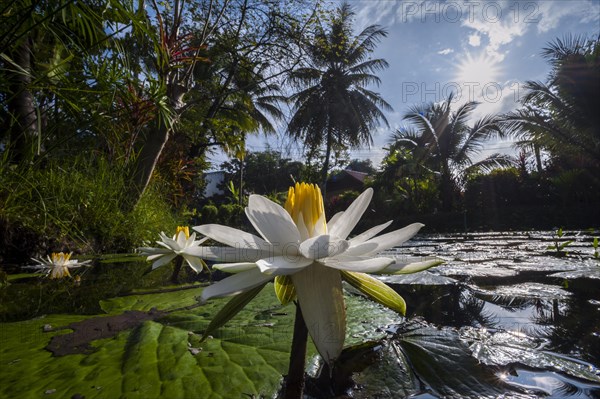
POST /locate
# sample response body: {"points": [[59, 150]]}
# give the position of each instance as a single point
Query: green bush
{"points": [[209, 214], [225, 213], [75, 206]]}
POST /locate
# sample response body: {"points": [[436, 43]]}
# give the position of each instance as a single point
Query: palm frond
{"points": [[494, 161]]}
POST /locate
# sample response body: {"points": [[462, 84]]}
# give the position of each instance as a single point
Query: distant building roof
{"points": [[344, 181], [360, 176]]}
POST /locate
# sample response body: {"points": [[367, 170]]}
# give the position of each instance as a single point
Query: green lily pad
{"points": [[167, 298], [165, 357]]}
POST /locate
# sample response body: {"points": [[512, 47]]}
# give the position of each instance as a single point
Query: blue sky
{"points": [[482, 50]]}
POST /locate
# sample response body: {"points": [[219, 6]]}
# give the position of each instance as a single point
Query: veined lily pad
{"points": [[165, 357]]}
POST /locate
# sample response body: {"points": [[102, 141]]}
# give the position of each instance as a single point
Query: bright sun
{"points": [[477, 71]]}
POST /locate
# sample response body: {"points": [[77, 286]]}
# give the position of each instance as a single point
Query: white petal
{"points": [[280, 265], [334, 220], [302, 227], [234, 267], [181, 240], [229, 254], [194, 262], [169, 242], [394, 238], [76, 263], [372, 232], [232, 237], [191, 241], [168, 247], [151, 250], [322, 247], [361, 249], [154, 257], [271, 221], [320, 226], [235, 284], [348, 220], [370, 265], [163, 260], [319, 291], [410, 266]]}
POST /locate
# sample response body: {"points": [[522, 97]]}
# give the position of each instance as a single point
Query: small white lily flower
{"points": [[58, 264], [299, 243], [179, 245]]}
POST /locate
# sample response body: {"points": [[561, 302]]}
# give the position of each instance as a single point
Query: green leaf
{"points": [[376, 290], [444, 362], [565, 244], [559, 233], [165, 357], [284, 289], [230, 309], [154, 359], [595, 244], [169, 298]]}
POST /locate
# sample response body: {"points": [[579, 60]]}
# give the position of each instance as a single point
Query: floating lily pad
{"points": [[425, 361], [165, 357], [505, 347], [422, 278]]}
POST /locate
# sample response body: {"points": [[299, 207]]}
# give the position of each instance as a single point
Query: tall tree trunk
{"points": [[153, 146], [538, 158], [23, 117], [325, 169], [447, 191], [146, 163]]}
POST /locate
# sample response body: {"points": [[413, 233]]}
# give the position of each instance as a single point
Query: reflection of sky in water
{"points": [[553, 384], [517, 305], [514, 320]]}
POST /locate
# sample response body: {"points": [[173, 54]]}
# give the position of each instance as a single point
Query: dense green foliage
{"points": [[108, 113], [108, 110]]}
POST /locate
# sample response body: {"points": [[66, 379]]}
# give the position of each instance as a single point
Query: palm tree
{"points": [[41, 46], [333, 106], [447, 144], [562, 115]]}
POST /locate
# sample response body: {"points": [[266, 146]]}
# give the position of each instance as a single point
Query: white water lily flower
{"points": [[58, 264], [180, 245], [297, 242]]}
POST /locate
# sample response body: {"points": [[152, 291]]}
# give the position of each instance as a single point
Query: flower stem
{"points": [[177, 269], [294, 386]]}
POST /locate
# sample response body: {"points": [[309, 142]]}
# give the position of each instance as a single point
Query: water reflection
{"points": [[508, 283]]}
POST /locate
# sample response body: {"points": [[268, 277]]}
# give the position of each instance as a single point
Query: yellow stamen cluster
{"points": [[60, 257], [185, 229], [59, 268], [306, 199]]}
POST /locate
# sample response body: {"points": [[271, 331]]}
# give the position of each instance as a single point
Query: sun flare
{"points": [[478, 71]]}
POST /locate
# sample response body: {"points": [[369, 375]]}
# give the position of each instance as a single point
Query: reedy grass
{"points": [[76, 204]]}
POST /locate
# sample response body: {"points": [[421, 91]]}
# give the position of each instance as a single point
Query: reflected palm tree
{"points": [[451, 305]]}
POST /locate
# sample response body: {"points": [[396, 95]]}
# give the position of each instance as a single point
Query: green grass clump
{"points": [[76, 204]]}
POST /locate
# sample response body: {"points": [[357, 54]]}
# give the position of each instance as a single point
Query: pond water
{"points": [[527, 311], [504, 317]]}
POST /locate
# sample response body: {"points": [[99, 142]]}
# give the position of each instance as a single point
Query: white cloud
{"points": [[445, 51], [500, 27], [373, 12], [499, 98], [547, 14], [475, 40]]}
